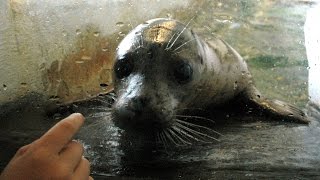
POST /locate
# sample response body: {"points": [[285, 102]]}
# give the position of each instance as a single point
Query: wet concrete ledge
{"points": [[250, 148]]}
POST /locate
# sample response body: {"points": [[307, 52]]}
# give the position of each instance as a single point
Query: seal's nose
{"points": [[138, 104], [132, 113]]}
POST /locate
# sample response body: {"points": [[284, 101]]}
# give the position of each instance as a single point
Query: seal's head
{"points": [[156, 68]]}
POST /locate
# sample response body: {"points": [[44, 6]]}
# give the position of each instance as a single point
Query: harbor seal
{"points": [[163, 70]]}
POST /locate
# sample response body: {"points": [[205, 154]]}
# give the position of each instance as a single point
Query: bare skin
{"points": [[53, 156]]}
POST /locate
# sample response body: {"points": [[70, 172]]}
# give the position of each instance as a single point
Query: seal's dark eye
{"points": [[123, 68], [183, 72]]}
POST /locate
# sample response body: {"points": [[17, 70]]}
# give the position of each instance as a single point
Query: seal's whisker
{"points": [[168, 44], [103, 100], [208, 28], [198, 126], [102, 113], [92, 118], [174, 134], [158, 139], [165, 133], [186, 133], [198, 137], [161, 138], [97, 116], [106, 101], [164, 140], [199, 134], [201, 109], [104, 104], [111, 95], [183, 44], [102, 109], [171, 138], [195, 117], [180, 51], [185, 27], [179, 139]]}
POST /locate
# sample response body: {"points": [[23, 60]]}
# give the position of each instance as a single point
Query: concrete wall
{"points": [[62, 50]]}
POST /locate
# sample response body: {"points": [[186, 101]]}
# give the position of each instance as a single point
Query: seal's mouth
{"points": [[131, 120], [179, 130]]}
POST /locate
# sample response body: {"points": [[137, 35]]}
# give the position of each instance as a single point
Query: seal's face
{"points": [[155, 69]]}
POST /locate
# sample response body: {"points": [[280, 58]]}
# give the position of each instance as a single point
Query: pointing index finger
{"points": [[60, 134]]}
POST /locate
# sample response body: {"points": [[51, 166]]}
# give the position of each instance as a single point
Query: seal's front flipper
{"points": [[277, 108]]}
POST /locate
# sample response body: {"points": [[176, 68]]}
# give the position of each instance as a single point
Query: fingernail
{"points": [[78, 115]]}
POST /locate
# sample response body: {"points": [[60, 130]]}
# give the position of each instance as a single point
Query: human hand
{"points": [[53, 156]]}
